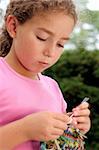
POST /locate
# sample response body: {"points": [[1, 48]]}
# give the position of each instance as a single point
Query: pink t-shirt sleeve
{"points": [[60, 96], [64, 104]]}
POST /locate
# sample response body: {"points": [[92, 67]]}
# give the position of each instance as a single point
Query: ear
{"points": [[11, 25]]}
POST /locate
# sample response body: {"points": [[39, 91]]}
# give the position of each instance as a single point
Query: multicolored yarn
{"points": [[72, 139]]}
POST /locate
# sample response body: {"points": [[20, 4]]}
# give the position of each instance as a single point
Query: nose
{"points": [[49, 51]]}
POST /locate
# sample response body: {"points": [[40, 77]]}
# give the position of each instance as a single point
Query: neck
{"points": [[15, 64]]}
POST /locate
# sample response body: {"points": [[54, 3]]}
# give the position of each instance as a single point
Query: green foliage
{"points": [[91, 17], [87, 29], [77, 72]]}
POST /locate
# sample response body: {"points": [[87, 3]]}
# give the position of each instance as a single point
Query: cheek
{"points": [[57, 55], [25, 40]]}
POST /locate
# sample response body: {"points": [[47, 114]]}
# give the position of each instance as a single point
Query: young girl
{"points": [[32, 107]]}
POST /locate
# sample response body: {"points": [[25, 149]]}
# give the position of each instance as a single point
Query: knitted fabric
{"points": [[72, 139]]}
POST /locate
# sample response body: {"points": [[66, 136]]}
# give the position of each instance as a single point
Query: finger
{"points": [[52, 137], [60, 125], [83, 127], [62, 117], [57, 132], [83, 112], [83, 105], [69, 113], [82, 119]]}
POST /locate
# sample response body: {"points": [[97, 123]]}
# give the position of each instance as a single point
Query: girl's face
{"points": [[39, 43]]}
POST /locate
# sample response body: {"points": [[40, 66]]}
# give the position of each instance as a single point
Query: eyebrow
{"points": [[51, 33]]}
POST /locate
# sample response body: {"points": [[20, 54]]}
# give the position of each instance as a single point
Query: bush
{"points": [[77, 73]]}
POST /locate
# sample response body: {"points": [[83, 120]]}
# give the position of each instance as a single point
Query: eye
{"points": [[41, 39], [60, 45]]}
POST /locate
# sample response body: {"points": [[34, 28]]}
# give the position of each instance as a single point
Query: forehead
{"points": [[53, 21], [51, 15]]}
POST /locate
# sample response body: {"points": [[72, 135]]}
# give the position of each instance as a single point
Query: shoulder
{"points": [[2, 64], [56, 90], [1, 68], [49, 80], [52, 83], [3, 73]]}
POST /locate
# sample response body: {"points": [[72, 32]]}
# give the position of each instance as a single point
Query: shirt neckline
{"points": [[19, 75]]}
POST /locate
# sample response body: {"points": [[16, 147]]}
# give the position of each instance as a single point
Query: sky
{"points": [[3, 4], [93, 5]]}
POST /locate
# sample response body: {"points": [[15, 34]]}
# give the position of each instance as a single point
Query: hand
{"points": [[45, 126], [81, 117]]}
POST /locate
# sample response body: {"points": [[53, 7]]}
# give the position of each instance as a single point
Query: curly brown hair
{"points": [[24, 10]]}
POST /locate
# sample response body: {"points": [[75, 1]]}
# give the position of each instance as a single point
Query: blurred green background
{"points": [[77, 72]]}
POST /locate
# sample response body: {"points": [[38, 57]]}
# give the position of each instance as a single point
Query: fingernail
{"points": [[74, 121], [70, 121]]}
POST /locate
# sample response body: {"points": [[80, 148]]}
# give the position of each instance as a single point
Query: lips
{"points": [[44, 63]]}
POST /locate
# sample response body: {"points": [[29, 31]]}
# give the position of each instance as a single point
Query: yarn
{"points": [[72, 139]]}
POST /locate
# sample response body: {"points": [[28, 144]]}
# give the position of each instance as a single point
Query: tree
{"points": [[78, 75], [1, 15], [86, 33]]}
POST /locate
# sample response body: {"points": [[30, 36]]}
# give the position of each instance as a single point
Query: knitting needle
{"points": [[85, 99]]}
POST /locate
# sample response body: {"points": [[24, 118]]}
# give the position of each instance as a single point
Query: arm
{"points": [[12, 134], [29, 128]]}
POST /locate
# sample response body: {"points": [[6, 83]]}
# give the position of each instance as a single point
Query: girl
{"points": [[32, 107]]}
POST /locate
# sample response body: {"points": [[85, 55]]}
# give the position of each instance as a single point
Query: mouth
{"points": [[43, 63]]}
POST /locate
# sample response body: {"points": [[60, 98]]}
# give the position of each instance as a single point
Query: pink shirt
{"points": [[21, 96]]}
